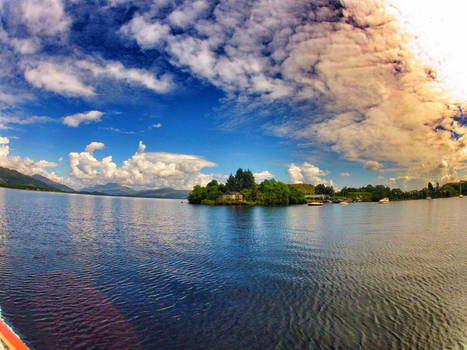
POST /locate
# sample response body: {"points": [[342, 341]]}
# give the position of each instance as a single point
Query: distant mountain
{"points": [[165, 193], [112, 189], [53, 184], [115, 189], [14, 179]]}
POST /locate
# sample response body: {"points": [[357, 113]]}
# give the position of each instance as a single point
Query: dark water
{"points": [[84, 272]]}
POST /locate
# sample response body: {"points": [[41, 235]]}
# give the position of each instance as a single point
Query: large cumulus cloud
{"points": [[142, 170], [345, 66]]}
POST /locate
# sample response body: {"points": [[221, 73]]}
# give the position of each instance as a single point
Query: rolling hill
{"points": [[14, 179], [53, 184], [114, 189]]}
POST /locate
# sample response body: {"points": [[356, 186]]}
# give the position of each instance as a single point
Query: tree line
{"points": [[375, 193], [272, 192]]}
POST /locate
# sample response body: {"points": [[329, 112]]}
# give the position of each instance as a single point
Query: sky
{"points": [[174, 93]]}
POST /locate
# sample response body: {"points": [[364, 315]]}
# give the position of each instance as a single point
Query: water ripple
{"points": [[84, 272]]}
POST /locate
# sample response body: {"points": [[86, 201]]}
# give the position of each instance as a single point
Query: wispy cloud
{"points": [[156, 126], [7, 121], [119, 131]]}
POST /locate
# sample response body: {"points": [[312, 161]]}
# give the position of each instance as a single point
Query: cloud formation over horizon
{"points": [[26, 166], [143, 170]]}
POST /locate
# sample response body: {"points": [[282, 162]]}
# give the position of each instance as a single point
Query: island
{"points": [[241, 189]]}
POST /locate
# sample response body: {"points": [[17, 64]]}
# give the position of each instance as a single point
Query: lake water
{"points": [[88, 272]]}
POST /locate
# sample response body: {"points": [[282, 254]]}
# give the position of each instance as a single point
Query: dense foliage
{"points": [[269, 192], [375, 193]]}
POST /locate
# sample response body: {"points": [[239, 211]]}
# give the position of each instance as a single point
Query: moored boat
{"points": [[384, 200], [315, 204]]}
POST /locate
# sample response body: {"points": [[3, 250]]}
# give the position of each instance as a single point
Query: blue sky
{"points": [[286, 90]]}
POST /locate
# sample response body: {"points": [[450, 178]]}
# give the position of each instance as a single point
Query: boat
{"points": [[384, 200], [429, 198], [344, 203], [8, 339], [315, 204], [460, 190]]}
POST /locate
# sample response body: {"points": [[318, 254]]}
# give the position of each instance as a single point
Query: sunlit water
{"points": [[87, 272]]}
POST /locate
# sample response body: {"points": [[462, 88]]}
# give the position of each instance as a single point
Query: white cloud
{"points": [[76, 77], [148, 35], [44, 17], [345, 174], [156, 126], [26, 166], [75, 120], [93, 146], [142, 170], [6, 121], [373, 165], [307, 173], [61, 79], [116, 70], [263, 175], [26, 46]]}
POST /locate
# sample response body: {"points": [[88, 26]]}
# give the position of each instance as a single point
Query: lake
{"points": [[90, 272]]}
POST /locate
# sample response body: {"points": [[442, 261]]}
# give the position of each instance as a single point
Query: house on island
{"points": [[235, 196]]}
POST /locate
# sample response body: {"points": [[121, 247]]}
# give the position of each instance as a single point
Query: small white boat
{"points": [[384, 200], [344, 203], [315, 204]]}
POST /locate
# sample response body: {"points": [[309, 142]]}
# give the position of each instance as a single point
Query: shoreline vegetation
{"points": [[241, 189]]}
